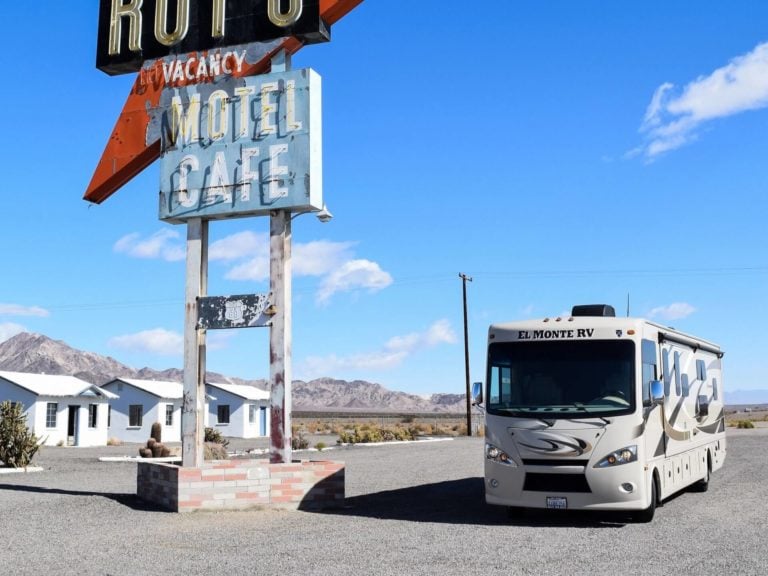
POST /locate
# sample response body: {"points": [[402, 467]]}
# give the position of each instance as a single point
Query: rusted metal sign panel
{"points": [[133, 31], [135, 140], [245, 311], [239, 146]]}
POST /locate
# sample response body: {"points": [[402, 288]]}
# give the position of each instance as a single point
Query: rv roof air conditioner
{"points": [[593, 310]]}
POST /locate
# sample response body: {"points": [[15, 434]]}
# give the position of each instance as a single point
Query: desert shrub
{"points": [[370, 433], [299, 442], [114, 442], [214, 451], [320, 446], [408, 420], [214, 436], [745, 424], [18, 445]]}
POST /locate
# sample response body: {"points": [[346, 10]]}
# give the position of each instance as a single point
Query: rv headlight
{"points": [[621, 456], [499, 456]]}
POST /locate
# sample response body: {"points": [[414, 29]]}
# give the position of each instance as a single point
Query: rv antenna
{"points": [[627, 304]]}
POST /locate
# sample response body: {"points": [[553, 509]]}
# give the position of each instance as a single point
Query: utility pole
{"points": [[464, 280]]}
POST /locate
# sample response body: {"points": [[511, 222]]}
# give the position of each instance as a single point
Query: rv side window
{"points": [[648, 352], [649, 373], [678, 385], [714, 388], [501, 385]]}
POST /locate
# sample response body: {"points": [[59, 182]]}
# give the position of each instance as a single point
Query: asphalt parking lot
{"points": [[410, 509]]}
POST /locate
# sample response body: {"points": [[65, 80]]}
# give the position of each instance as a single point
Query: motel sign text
{"points": [[132, 31]]}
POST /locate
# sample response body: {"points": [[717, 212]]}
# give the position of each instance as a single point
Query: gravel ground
{"points": [[410, 509]]}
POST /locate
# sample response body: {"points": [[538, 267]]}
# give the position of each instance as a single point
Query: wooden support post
{"points": [[280, 337], [193, 405]]}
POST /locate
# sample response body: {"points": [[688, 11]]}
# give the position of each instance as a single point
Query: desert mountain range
{"points": [[36, 353]]}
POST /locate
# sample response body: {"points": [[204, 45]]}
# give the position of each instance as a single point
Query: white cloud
{"points": [[157, 341], [164, 244], [9, 330], [674, 311], [239, 246], [256, 270], [19, 310], [527, 312], [396, 350], [673, 118], [320, 257], [317, 258], [353, 275], [246, 254]]}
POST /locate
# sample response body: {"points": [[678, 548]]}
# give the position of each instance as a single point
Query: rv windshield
{"points": [[561, 378]]}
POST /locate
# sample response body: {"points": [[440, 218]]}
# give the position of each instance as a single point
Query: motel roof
{"points": [[160, 388], [55, 385], [242, 390]]}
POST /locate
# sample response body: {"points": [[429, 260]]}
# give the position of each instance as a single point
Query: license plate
{"points": [[557, 503]]}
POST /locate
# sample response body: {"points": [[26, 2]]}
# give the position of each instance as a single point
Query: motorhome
{"points": [[593, 412]]}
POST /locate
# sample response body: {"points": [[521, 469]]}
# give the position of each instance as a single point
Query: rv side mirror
{"points": [[657, 392], [703, 406], [477, 393]]}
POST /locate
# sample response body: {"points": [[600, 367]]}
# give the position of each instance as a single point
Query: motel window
{"points": [[93, 415], [253, 411], [223, 413], [169, 414], [109, 416], [135, 415], [51, 410]]}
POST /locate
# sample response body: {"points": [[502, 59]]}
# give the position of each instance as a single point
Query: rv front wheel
{"points": [[645, 516]]}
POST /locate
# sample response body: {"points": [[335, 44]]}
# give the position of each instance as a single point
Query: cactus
{"points": [[151, 442], [145, 452], [18, 445], [157, 450], [165, 452], [157, 432]]}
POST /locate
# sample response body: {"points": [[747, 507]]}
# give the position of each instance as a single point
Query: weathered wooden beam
{"points": [[193, 405]]}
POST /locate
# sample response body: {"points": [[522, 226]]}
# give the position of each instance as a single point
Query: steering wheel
{"points": [[615, 396]]}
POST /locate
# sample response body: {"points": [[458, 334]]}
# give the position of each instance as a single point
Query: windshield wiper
{"points": [[580, 406], [526, 413]]}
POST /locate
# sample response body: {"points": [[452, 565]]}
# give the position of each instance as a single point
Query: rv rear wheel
{"points": [[703, 484]]}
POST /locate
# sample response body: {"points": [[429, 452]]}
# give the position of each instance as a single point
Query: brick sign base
{"points": [[241, 484]]}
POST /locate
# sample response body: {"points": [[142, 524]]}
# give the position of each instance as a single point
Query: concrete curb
{"points": [[4, 470]]}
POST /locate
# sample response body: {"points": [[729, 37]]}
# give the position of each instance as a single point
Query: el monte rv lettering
{"points": [[554, 334]]}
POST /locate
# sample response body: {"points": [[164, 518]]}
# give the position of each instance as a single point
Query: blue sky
{"points": [[557, 152]]}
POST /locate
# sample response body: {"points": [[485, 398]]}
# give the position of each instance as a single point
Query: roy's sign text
{"points": [[133, 31]]}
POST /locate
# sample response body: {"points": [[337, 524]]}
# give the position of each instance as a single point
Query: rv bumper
{"points": [[623, 487]]}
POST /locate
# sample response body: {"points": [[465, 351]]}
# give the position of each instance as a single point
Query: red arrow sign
{"points": [[131, 148]]}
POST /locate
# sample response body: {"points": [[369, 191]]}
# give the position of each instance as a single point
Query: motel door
{"points": [[72, 425]]}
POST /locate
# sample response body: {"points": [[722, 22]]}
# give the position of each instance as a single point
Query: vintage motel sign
{"points": [[241, 147], [135, 140]]}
